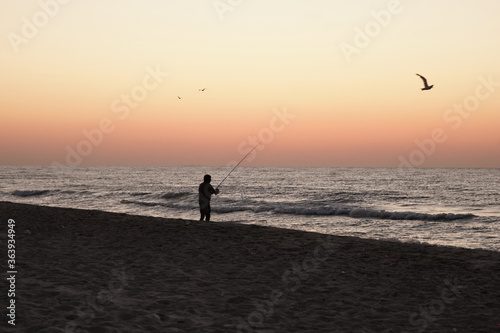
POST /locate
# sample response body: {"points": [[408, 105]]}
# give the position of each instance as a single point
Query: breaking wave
{"points": [[175, 195], [139, 194], [349, 211], [379, 214], [140, 203], [29, 193], [165, 200]]}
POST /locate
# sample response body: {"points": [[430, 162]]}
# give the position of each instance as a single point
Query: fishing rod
{"points": [[238, 164]]}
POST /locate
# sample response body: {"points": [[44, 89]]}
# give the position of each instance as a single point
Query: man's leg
{"points": [[207, 212], [202, 214]]}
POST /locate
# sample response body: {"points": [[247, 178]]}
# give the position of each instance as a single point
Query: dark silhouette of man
{"points": [[205, 191]]}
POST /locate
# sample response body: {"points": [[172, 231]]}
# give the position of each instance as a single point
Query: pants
{"points": [[204, 210]]}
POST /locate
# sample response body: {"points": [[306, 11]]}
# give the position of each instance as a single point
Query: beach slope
{"points": [[80, 270]]}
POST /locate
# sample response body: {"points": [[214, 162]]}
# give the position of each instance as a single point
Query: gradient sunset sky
{"points": [[319, 82]]}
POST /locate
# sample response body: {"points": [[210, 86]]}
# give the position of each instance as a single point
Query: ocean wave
{"points": [[356, 212], [170, 204], [69, 191], [139, 194], [382, 214], [140, 203], [29, 193], [175, 195], [340, 210]]}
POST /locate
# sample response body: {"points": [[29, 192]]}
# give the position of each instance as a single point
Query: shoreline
{"points": [[101, 271], [390, 238]]}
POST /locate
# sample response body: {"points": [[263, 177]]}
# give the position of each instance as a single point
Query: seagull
{"points": [[426, 86], [202, 89]]}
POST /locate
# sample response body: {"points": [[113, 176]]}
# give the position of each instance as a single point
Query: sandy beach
{"points": [[84, 270]]}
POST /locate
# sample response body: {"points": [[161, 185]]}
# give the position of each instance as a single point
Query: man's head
{"points": [[207, 178]]}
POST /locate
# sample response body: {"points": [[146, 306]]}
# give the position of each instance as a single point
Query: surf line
{"points": [[258, 143]]}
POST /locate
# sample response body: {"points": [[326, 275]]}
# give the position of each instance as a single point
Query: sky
{"points": [[316, 83]]}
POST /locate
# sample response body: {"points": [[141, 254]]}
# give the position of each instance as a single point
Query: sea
{"points": [[450, 207]]}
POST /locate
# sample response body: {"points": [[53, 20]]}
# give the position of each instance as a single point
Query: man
{"points": [[205, 191]]}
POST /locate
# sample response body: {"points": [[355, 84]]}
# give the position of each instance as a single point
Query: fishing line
{"points": [[238, 164]]}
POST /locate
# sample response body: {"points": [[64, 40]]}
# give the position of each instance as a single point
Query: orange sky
{"points": [[320, 83]]}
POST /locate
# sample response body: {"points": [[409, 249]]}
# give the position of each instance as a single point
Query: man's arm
{"points": [[213, 190]]}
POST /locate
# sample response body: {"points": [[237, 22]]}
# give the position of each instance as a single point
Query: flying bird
{"points": [[426, 86], [179, 97], [202, 89]]}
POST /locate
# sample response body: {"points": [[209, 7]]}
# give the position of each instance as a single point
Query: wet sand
{"points": [[90, 270]]}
